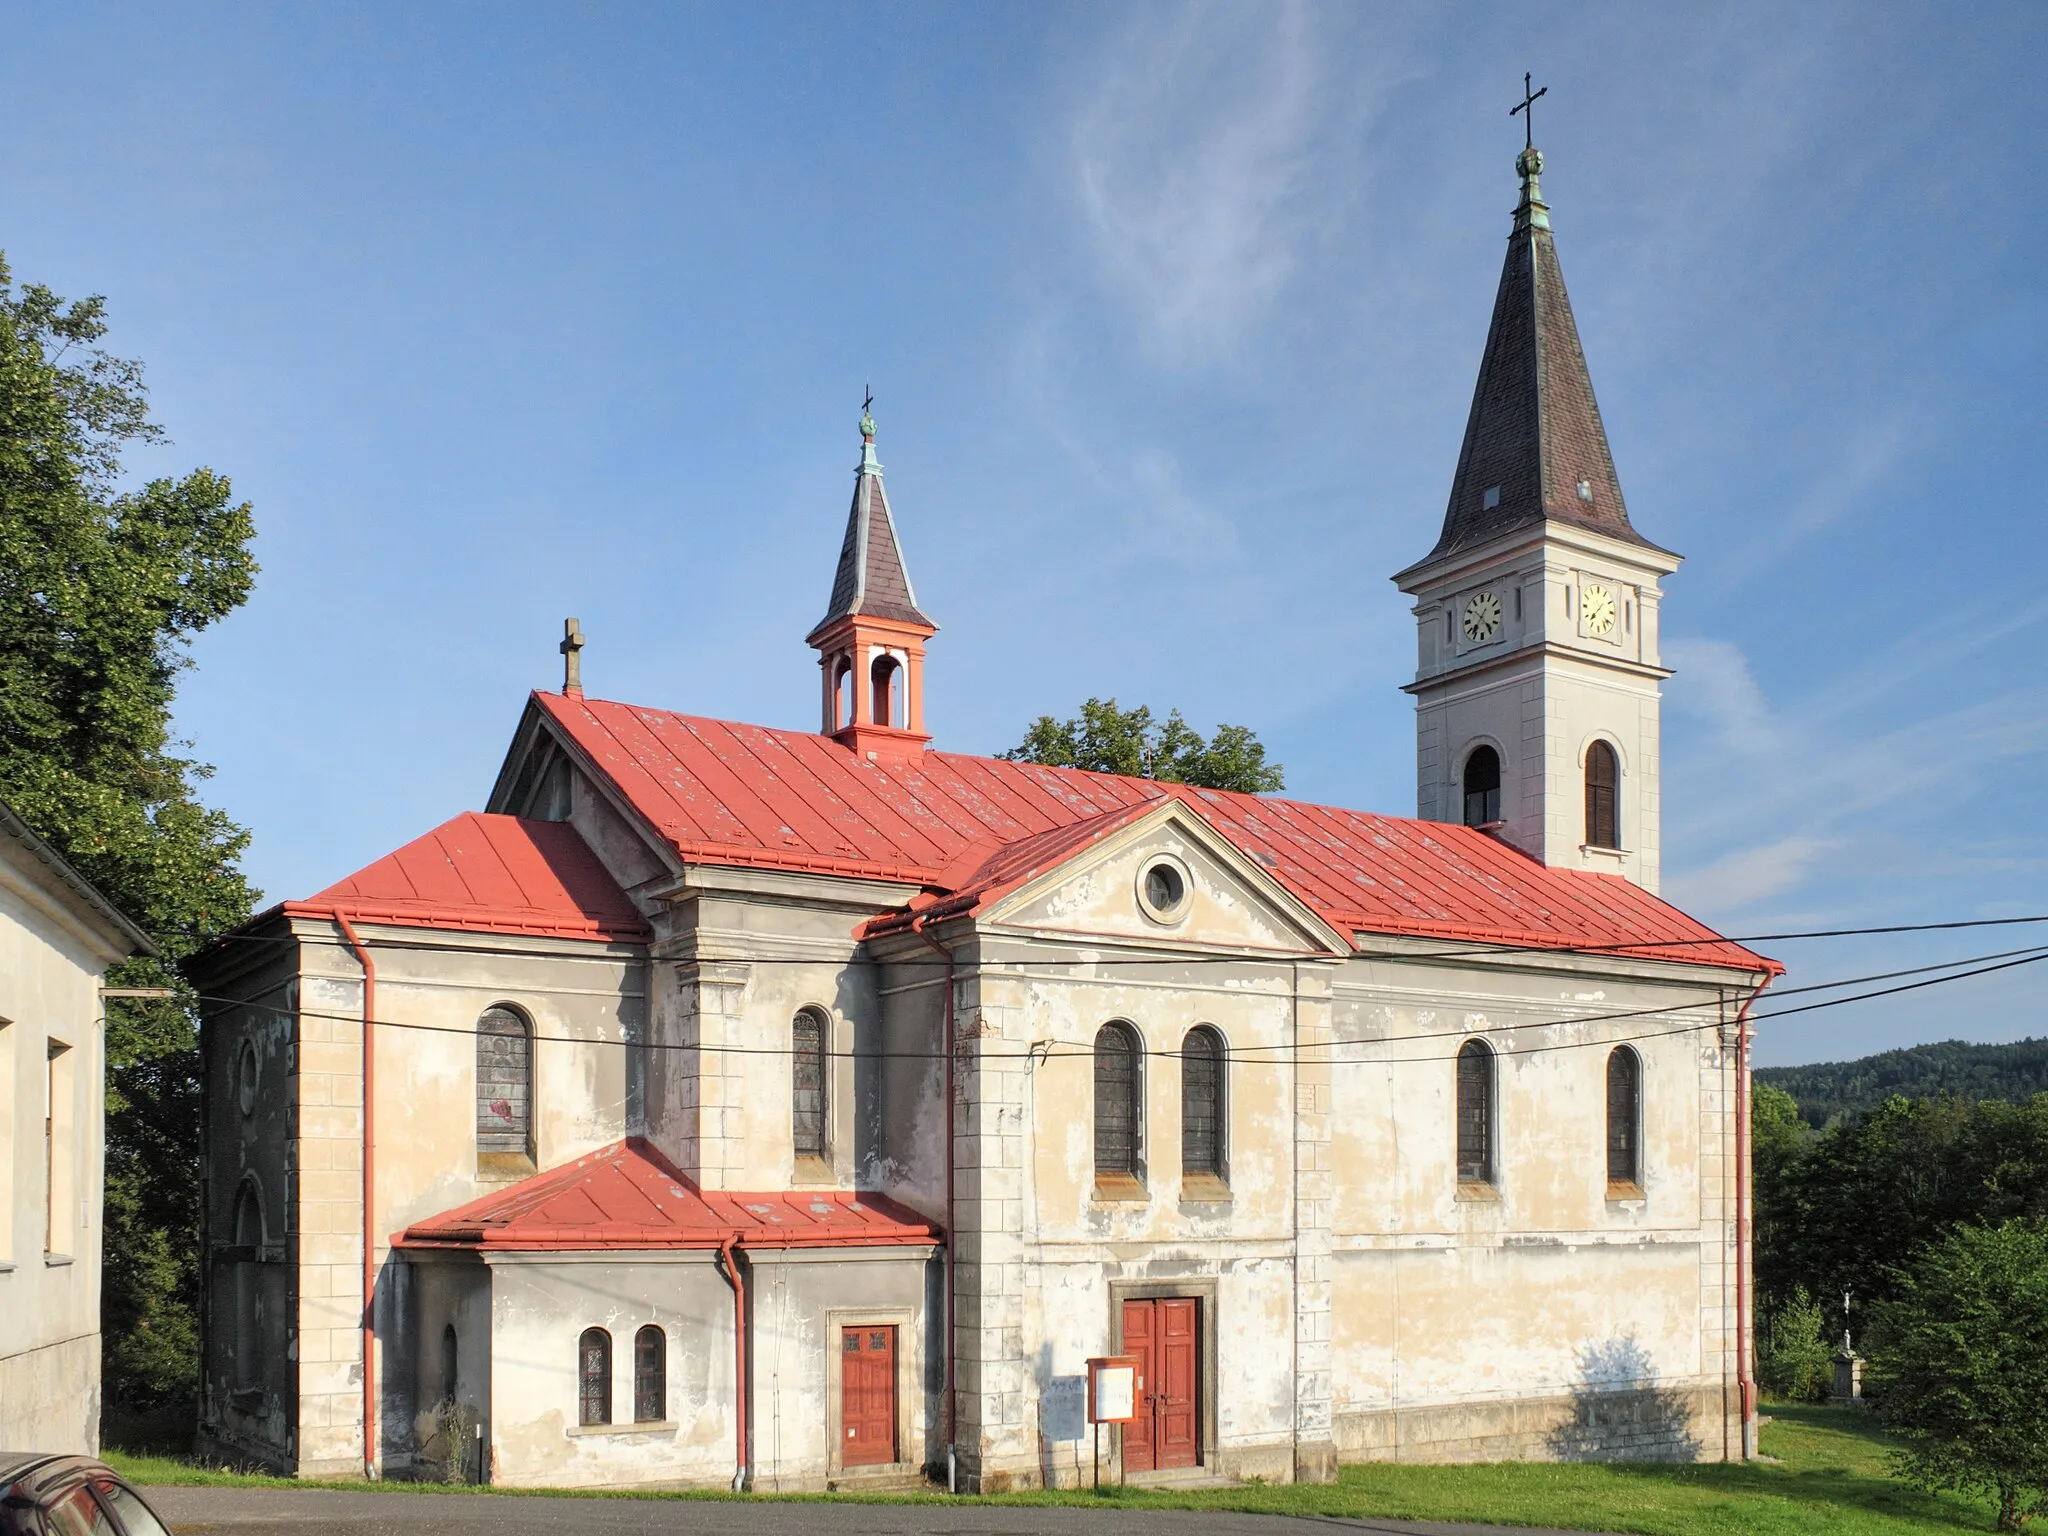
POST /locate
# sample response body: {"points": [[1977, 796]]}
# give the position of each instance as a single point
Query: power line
{"points": [[1066, 1049], [1619, 948]]}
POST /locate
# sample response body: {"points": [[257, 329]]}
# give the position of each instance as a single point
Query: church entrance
{"points": [[867, 1396], [1164, 1333]]}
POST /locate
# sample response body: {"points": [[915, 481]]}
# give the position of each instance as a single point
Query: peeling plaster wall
{"points": [[304, 1145], [719, 1083], [799, 1300], [540, 1305], [1549, 1319]]}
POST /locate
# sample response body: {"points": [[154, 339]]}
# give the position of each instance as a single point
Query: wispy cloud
{"points": [[1188, 157]]}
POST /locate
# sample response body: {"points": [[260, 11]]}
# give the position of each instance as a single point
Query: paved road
{"points": [[317, 1512]]}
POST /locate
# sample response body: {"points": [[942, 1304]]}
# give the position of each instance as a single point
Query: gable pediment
{"points": [[1227, 901]]}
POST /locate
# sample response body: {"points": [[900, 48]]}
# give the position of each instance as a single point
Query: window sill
{"points": [[1119, 1189], [54, 1260], [1204, 1189], [812, 1170], [6, 1267], [1612, 853], [1479, 1190], [503, 1167], [652, 1427], [1625, 1191]]}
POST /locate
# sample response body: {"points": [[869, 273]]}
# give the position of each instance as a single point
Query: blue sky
{"points": [[502, 313]]}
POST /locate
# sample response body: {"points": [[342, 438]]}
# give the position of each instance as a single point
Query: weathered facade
{"points": [[729, 1104], [57, 938]]}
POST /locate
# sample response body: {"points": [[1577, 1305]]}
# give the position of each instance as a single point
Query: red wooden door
{"points": [[867, 1395], [1164, 1336], [1173, 1384]]}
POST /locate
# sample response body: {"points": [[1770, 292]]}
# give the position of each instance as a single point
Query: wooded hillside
{"points": [[1828, 1090]]}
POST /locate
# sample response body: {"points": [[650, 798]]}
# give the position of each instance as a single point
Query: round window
{"points": [[245, 1077], [1163, 890]]}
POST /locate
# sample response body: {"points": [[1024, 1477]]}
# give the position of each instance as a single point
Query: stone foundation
{"points": [[1688, 1421]]}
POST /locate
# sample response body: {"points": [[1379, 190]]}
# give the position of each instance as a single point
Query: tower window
{"points": [[1490, 499], [1201, 1102], [1603, 779], [842, 694], [1475, 1113], [1482, 787], [594, 1378], [1116, 1101], [887, 678], [504, 1083], [807, 1083], [1624, 1116]]}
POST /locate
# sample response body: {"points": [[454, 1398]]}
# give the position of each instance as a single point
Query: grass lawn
{"points": [[1830, 1479]]}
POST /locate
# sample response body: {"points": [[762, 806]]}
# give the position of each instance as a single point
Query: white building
{"points": [[57, 938], [798, 1108]]}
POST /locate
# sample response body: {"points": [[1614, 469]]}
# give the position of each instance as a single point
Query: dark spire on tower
{"points": [[871, 581], [1535, 447]]}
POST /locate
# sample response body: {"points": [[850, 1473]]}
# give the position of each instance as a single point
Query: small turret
{"points": [[870, 643]]}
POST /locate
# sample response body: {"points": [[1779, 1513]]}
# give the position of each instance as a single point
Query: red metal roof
{"points": [[628, 1196], [726, 793], [489, 874]]}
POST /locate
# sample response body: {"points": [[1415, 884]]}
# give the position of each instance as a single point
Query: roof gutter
{"points": [[729, 1261], [369, 1191], [917, 926]]}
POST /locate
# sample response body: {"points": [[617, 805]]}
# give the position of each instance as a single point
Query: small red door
{"points": [[1164, 1335], [867, 1396]]}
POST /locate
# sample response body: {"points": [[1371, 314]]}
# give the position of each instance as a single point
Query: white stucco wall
{"points": [[53, 951]]}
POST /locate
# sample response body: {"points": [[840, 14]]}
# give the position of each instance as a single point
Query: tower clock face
{"points": [[1482, 618], [1596, 606]]}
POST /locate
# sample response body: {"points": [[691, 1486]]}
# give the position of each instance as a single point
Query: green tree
{"points": [[1795, 1361], [1135, 743], [1867, 1192], [1957, 1358], [103, 583]]}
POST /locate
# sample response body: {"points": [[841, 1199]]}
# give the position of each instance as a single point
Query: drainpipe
{"points": [[952, 1387], [1744, 1235], [729, 1261], [369, 1193]]}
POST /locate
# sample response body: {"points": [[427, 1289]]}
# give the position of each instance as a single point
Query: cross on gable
{"points": [[572, 655], [1528, 117]]}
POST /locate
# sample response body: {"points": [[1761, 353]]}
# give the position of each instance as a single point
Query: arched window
{"points": [[594, 1377], [1475, 1113], [1201, 1102], [1482, 787], [248, 1279], [650, 1375], [1624, 1116], [1116, 1100], [504, 1083], [807, 1083], [1603, 804], [449, 1361], [842, 693], [887, 678]]}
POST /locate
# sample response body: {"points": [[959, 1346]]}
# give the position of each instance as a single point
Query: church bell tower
{"points": [[1538, 681]]}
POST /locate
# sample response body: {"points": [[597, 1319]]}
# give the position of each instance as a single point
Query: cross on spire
{"points": [[1528, 117], [867, 414]]}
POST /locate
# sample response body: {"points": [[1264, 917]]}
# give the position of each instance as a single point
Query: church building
{"points": [[726, 1105]]}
